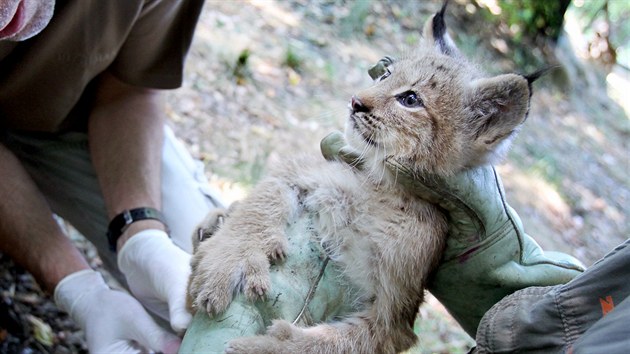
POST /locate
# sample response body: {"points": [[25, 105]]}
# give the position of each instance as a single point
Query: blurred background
{"points": [[270, 78]]}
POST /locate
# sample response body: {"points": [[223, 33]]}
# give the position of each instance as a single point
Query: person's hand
{"points": [[488, 255], [157, 273], [113, 321]]}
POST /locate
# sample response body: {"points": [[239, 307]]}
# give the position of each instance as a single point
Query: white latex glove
{"points": [[157, 274], [113, 321]]}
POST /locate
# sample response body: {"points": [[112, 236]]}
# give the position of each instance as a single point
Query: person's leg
{"points": [[62, 169]]}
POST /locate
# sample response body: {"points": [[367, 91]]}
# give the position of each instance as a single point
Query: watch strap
{"points": [[121, 222]]}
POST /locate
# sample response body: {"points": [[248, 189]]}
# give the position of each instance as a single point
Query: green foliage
{"points": [[523, 29], [438, 333], [412, 39], [292, 59], [241, 69], [531, 22], [355, 21], [247, 171], [534, 18], [609, 16]]}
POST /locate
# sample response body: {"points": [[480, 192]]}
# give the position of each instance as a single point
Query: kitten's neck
{"points": [[379, 175]]}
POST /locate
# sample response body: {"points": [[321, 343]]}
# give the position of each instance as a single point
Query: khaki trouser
{"points": [[589, 314], [62, 169]]}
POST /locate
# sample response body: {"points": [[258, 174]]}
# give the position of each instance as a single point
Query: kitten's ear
{"points": [[435, 33], [498, 105]]}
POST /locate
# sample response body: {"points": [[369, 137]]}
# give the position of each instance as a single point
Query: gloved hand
{"points": [[114, 322], [488, 254], [157, 272]]}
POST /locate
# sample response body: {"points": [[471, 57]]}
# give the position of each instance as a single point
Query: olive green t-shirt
{"points": [[47, 82]]}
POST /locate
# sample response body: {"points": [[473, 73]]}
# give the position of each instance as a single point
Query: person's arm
{"points": [[126, 133], [28, 232], [34, 240]]}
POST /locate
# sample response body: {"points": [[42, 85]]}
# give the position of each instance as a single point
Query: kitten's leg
{"points": [[386, 326], [218, 270], [265, 213], [209, 226], [237, 257], [361, 334], [264, 218]]}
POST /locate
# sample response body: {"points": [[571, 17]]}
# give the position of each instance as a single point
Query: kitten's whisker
{"points": [[383, 166]]}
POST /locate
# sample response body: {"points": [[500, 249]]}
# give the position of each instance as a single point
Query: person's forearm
{"points": [[126, 136], [28, 232]]}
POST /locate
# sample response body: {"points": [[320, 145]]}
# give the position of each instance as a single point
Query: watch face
{"points": [[127, 217], [120, 223]]}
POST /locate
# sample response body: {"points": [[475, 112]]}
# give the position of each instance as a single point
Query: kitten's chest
{"points": [[345, 201], [355, 221]]}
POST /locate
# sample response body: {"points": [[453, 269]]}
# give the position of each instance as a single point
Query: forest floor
{"points": [[270, 78]]}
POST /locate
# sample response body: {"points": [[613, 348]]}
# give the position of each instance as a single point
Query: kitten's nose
{"points": [[357, 105]]}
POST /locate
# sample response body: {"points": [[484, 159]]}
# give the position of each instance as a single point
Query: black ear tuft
{"points": [[536, 75], [439, 30], [439, 26]]}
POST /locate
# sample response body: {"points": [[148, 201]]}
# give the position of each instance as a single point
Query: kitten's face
{"points": [[434, 112], [415, 111]]}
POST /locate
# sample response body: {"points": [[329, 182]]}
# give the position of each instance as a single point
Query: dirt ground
{"points": [[266, 79]]}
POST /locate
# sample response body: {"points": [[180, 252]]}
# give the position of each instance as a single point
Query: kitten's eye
{"points": [[410, 99]]}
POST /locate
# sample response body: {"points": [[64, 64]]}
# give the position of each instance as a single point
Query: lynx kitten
{"points": [[432, 111]]}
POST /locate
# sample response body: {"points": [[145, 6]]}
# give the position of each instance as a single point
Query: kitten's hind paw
{"points": [[257, 344], [278, 340], [281, 329], [212, 294]]}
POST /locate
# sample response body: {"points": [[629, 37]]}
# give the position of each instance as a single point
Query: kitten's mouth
{"points": [[360, 126]]}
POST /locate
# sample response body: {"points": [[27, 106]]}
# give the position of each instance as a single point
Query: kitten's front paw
{"points": [[256, 281], [209, 290], [209, 226], [220, 270], [276, 248]]}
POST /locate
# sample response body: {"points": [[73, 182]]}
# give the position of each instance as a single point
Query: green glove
{"points": [[488, 255]]}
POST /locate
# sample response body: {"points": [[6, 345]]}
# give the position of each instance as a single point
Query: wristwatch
{"points": [[120, 223]]}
